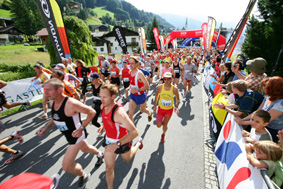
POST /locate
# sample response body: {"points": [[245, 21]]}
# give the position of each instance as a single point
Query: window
{"points": [[111, 44], [101, 49], [116, 48], [133, 40]]}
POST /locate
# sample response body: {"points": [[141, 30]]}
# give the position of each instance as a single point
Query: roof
{"points": [[126, 31], [97, 26], [2, 30], [42, 32], [99, 39], [97, 34]]}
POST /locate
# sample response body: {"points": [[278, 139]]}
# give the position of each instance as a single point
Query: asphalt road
{"points": [[176, 164]]}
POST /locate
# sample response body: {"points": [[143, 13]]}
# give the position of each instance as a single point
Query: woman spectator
{"points": [[273, 103], [228, 75], [82, 73]]}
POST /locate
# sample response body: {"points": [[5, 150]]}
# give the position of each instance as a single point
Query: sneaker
{"points": [[150, 117], [43, 117], [162, 138], [99, 161], [14, 157], [83, 180], [141, 143], [27, 103], [100, 134], [17, 136]]}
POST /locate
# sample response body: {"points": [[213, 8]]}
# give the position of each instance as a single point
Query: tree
{"points": [[150, 35], [83, 14], [90, 3], [264, 36], [80, 41]]}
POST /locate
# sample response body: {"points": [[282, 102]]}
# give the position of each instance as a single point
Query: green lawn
{"points": [[100, 11], [21, 55], [5, 13], [93, 21]]}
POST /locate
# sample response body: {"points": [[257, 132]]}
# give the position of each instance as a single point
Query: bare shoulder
{"points": [[120, 114]]}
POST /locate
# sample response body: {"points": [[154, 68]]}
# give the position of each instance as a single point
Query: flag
{"points": [[156, 37], [53, 21], [233, 40], [210, 32], [204, 33], [120, 37], [143, 40], [219, 31], [233, 168]]}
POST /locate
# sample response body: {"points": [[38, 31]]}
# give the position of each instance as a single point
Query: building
{"points": [[108, 43], [75, 7], [98, 28], [43, 35], [10, 34]]}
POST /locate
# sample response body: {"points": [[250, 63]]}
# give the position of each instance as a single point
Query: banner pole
{"points": [[277, 62]]}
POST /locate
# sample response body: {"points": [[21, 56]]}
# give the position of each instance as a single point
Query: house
{"points": [[75, 7], [98, 28], [10, 34], [109, 44], [43, 35]]}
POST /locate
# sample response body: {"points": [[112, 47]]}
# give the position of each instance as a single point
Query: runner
{"points": [[120, 131], [114, 72], [66, 116], [138, 84], [43, 76], [104, 68], [68, 68], [165, 93], [69, 90], [177, 71], [166, 68], [149, 64], [188, 70], [125, 74]]}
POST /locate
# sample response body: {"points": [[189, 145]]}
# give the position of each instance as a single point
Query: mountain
{"points": [[179, 21]]}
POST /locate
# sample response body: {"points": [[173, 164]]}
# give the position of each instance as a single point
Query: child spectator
{"points": [[278, 174], [267, 155]]}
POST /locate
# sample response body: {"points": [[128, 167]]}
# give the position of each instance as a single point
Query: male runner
{"points": [[66, 116], [43, 76], [120, 131], [138, 84], [125, 74], [165, 93], [188, 70]]}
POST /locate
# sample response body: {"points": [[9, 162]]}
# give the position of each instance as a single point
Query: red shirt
{"points": [[135, 83], [79, 72], [126, 73]]}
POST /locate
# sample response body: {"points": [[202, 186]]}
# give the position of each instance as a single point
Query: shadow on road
{"points": [[185, 111]]}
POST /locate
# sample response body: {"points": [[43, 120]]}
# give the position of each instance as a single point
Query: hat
{"points": [[167, 75], [102, 55], [257, 65], [60, 66], [166, 61], [94, 76]]}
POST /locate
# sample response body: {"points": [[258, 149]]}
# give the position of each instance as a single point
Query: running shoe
{"points": [[43, 117], [149, 117], [99, 161], [14, 157], [100, 134], [83, 180], [27, 103], [162, 138], [141, 143], [17, 136]]}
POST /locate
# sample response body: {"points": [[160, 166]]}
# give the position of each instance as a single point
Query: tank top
{"points": [[166, 100], [64, 123], [114, 72], [135, 83], [42, 78], [176, 68], [164, 71], [126, 74], [113, 130], [95, 92]]}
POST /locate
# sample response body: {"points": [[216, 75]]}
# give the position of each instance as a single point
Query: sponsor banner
{"points": [[120, 37], [210, 32], [204, 33], [143, 40], [156, 37], [53, 21], [219, 31], [140, 40], [161, 42], [22, 90], [233, 40], [233, 168]]}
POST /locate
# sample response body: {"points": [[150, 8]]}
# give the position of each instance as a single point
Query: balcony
{"points": [[132, 43]]}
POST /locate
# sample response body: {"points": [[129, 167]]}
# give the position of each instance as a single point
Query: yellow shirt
{"points": [[166, 100], [169, 60]]}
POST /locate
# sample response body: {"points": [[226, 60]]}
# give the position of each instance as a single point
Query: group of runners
{"points": [[138, 73]]}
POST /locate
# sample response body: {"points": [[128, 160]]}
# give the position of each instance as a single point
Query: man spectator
{"points": [[237, 66]]}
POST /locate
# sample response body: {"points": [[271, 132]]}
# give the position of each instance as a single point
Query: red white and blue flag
{"points": [[233, 168]]}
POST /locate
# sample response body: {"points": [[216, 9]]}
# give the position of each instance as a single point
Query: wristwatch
{"points": [[119, 143], [82, 127]]}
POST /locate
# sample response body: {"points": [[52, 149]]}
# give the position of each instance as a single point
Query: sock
{"points": [[84, 174], [45, 114], [100, 154]]}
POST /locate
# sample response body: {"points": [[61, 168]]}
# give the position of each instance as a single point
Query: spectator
{"points": [[228, 75], [237, 67], [82, 73], [273, 103]]}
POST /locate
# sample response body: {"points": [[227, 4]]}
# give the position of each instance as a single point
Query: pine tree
{"points": [[150, 35]]}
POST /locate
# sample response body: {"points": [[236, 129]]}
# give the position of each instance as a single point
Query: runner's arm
{"points": [[78, 83], [46, 128], [2, 84], [144, 80], [176, 93], [158, 90]]}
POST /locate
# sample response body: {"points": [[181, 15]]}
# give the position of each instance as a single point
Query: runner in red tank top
{"points": [[118, 140], [138, 85], [125, 74], [114, 73]]}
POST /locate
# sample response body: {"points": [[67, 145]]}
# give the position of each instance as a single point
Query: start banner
{"points": [[22, 90]]}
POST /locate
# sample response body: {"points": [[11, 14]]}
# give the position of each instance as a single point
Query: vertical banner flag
{"points": [[161, 42], [120, 36], [143, 40], [53, 21], [220, 28], [232, 42], [233, 168], [211, 24], [140, 40], [156, 37], [204, 32]]}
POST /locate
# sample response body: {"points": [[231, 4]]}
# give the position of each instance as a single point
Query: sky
{"points": [[229, 12]]}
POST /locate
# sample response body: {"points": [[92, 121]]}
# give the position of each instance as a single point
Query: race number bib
{"points": [[148, 69], [176, 71], [134, 87], [126, 79], [166, 102], [102, 70], [61, 126], [96, 98], [188, 72], [113, 73]]}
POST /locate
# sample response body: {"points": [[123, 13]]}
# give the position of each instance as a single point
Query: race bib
{"points": [[95, 98], [166, 102], [113, 73], [126, 79], [134, 87], [102, 70], [188, 72], [148, 69], [61, 126], [176, 71]]}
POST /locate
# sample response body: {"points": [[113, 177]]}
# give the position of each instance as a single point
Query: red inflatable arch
{"points": [[195, 34]]}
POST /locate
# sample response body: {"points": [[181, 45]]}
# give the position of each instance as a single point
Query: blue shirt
{"points": [[277, 123], [145, 72], [236, 77]]}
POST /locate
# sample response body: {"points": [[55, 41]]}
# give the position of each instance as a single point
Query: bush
{"points": [[40, 49], [16, 68], [35, 44], [11, 76]]}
